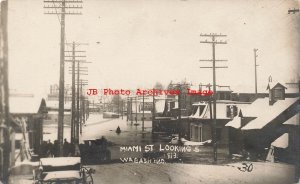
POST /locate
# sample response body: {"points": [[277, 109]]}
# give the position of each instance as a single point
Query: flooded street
{"points": [[132, 135]]}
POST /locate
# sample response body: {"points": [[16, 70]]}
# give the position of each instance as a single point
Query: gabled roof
{"points": [[53, 104], [265, 113], [271, 85], [223, 88], [282, 141], [25, 104], [293, 120], [235, 122], [221, 111]]}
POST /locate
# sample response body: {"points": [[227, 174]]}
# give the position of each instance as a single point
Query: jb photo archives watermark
{"points": [[146, 92]]}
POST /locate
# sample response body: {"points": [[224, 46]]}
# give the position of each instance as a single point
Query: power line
{"points": [[293, 11]]}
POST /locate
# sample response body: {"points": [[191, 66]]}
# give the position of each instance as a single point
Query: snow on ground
{"points": [[132, 173], [263, 173]]}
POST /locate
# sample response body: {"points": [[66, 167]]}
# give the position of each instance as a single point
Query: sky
{"points": [[136, 43]]}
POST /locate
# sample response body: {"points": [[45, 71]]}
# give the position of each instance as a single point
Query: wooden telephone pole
{"points": [[255, 69], [4, 94], [73, 58], [297, 144], [143, 118], [78, 117], [153, 107], [214, 42], [59, 7], [131, 117]]}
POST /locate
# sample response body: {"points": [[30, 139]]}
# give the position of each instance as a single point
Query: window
{"points": [[196, 132], [192, 131], [231, 111], [194, 109], [202, 107], [200, 134]]}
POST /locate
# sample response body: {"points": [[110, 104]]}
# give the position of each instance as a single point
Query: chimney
{"points": [[271, 92]]}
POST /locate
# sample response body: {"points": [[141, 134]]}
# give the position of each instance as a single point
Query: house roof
{"points": [[293, 120], [53, 104], [24, 104], [292, 90], [235, 122], [282, 141], [223, 88], [221, 111], [271, 85], [264, 112]]}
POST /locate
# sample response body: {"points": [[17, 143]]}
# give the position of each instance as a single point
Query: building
{"points": [[27, 112], [137, 109], [52, 115], [195, 123], [201, 121], [266, 122]]}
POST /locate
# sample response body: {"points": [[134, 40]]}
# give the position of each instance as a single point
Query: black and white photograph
{"points": [[149, 91]]}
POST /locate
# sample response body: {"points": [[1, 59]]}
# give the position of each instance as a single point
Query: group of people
{"points": [[49, 149]]}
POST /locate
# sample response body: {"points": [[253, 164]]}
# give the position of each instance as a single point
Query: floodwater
{"points": [[132, 137]]}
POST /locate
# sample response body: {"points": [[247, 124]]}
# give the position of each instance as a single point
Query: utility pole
{"points": [[255, 69], [5, 142], [73, 58], [118, 106], [127, 114], [78, 83], [79, 106], [81, 111], [297, 144], [73, 96], [59, 7], [131, 117], [153, 107], [214, 42], [179, 112], [136, 110], [122, 109], [143, 125]]}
